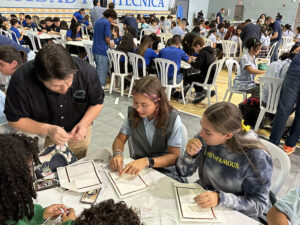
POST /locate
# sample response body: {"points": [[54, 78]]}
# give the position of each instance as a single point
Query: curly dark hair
{"points": [[16, 180], [108, 213]]}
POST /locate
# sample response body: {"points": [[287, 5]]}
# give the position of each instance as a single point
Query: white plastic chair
{"points": [[285, 42], [115, 57], [230, 63], [218, 65], [208, 42], [6, 33], [32, 38], [136, 60], [84, 30], [60, 42], [228, 48], [285, 164], [273, 86], [13, 34], [162, 67], [143, 32], [88, 49], [270, 53]]}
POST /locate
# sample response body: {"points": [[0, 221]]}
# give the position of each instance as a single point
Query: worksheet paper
{"points": [[126, 185], [79, 177], [189, 210]]}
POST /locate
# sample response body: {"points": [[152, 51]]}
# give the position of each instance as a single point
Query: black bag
{"points": [[250, 110]]}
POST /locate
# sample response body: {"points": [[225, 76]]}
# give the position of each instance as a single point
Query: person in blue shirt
{"points": [[29, 24], [18, 38], [289, 97], [102, 34], [233, 165], [85, 20], [131, 21], [56, 22], [219, 16], [78, 16], [175, 54], [179, 30], [116, 35], [276, 36], [145, 50], [74, 33], [22, 21]]}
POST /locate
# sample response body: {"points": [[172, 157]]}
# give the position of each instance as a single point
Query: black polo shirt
{"points": [[27, 97]]}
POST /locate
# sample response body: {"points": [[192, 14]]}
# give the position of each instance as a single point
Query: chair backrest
{"points": [[35, 41], [137, 60], [285, 164], [229, 47], [84, 30], [218, 67], [6, 33], [143, 32], [13, 34], [162, 68], [114, 56], [271, 51], [285, 41], [273, 86], [88, 49], [63, 35], [230, 63]]}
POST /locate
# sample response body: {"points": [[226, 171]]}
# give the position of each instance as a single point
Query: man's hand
{"points": [[79, 132], [58, 135], [70, 215], [116, 163], [135, 167]]}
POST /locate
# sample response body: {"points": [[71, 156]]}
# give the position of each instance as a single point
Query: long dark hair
{"points": [[9, 53], [126, 44], [227, 118], [187, 43], [73, 28], [146, 42], [211, 31], [151, 87], [16, 186]]}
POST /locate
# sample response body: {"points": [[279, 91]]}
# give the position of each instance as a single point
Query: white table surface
{"points": [[160, 197], [43, 35], [79, 43]]}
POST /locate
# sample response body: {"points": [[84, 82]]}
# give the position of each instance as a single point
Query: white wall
{"points": [[195, 6]]}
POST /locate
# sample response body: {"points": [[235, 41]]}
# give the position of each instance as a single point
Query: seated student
{"points": [[64, 25], [233, 165], [206, 23], [144, 24], [155, 130], [287, 31], [132, 31], [265, 42], [3, 23], [175, 54], [14, 27], [286, 209], [179, 29], [22, 21], [212, 35], [105, 213], [56, 22], [20, 153], [236, 37], [78, 16], [203, 30], [155, 42], [206, 56], [187, 43], [297, 36], [148, 53], [244, 81], [221, 31], [115, 35], [43, 26], [74, 33], [29, 23], [49, 24], [154, 28], [126, 45]]}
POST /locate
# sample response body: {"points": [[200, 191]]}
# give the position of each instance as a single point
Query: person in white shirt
{"points": [[212, 35], [235, 36], [297, 37], [221, 31], [287, 31], [265, 41]]}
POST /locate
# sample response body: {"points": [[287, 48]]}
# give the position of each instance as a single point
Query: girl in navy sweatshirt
{"points": [[232, 163]]}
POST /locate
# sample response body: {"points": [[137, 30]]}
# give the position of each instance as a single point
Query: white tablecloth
{"points": [[79, 43], [160, 198]]}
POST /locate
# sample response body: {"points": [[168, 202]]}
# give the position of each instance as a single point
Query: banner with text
{"points": [[151, 5]]}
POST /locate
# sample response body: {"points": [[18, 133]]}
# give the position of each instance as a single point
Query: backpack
{"points": [[250, 109]]}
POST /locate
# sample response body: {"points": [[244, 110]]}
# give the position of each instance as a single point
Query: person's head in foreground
{"points": [[108, 213]]}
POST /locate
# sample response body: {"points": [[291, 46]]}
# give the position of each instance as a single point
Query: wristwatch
{"points": [[151, 162]]}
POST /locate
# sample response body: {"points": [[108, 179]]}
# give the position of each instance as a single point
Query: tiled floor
{"points": [[108, 123]]}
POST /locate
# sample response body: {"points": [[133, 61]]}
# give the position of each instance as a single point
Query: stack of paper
{"points": [[79, 177]]}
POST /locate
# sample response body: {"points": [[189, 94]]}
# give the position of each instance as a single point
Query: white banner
{"points": [[60, 4], [146, 5]]}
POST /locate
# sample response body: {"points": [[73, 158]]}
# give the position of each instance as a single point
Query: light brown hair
{"points": [[145, 43], [198, 41]]}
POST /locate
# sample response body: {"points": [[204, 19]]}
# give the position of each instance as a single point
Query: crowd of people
{"points": [[53, 94]]}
